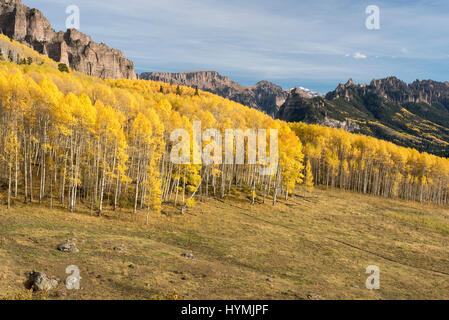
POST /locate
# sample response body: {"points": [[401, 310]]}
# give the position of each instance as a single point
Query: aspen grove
{"points": [[71, 140], [368, 165]]}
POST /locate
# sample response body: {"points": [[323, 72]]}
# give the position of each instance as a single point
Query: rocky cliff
{"points": [[30, 27], [395, 90], [413, 115], [264, 96], [300, 107]]}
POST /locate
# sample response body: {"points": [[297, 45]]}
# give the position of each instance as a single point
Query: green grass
{"points": [[320, 245]]}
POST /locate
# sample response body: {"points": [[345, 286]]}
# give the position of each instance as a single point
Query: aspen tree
{"points": [[308, 178]]}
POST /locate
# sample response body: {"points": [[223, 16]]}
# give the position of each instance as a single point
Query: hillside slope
{"points": [[309, 248]]}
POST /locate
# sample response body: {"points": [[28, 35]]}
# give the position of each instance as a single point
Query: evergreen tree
{"points": [[63, 67]]}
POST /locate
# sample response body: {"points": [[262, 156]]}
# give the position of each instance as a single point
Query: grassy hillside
{"points": [[310, 248]]}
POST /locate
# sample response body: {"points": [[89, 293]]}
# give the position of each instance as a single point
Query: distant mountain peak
{"points": [[304, 92], [350, 82]]}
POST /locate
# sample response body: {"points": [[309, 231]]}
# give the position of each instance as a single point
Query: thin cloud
{"points": [[359, 55]]}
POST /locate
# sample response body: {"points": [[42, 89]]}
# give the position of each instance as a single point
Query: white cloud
{"points": [[359, 55]]}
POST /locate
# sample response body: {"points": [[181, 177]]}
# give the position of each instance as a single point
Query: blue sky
{"points": [[309, 43]]}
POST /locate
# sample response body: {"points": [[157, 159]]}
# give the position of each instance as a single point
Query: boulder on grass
{"points": [[68, 246], [39, 281], [187, 255]]}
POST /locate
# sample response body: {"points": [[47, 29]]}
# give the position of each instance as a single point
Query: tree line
{"points": [[371, 166]]}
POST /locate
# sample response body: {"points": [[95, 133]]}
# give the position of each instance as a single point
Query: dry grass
{"points": [[320, 245]]}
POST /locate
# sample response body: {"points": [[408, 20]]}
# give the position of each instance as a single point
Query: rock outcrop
{"points": [[77, 50], [39, 281], [264, 96], [68, 246], [299, 107], [268, 96], [395, 90]]}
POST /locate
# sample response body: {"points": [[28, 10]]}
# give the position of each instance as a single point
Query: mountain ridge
{"points": [[264, 95], [412, 115]]}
